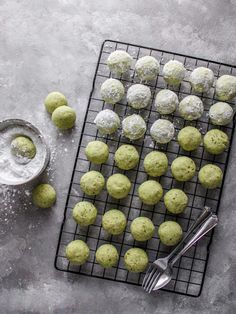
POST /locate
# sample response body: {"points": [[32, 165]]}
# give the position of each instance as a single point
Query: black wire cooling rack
{"points": [[189, 272]]}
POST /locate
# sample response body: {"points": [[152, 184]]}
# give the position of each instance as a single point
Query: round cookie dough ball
{"points": [[175, 201], [138, 96], [136, 260], [107, 121], [23, 147], [155, 164], [84, 213], [44, 196], [92, 182], [147, 68], [77, 252], [170, 233], [226, 87], [112, 91], [107, 255], [191, 108], [189, 138], [54, 100], [183, 168], [119, 62], [216, 141], [173, 72], [201, 79], [64, 117], [134, 127], [118, 186], [97, 152], [114, 221], [166, 101], [150, 192], [221, 113], [162, 131], [210, 176], [126, 157], [142, 229]]}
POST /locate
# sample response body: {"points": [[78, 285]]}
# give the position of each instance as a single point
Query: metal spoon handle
{"points": [[209, 224], [205, 213]]}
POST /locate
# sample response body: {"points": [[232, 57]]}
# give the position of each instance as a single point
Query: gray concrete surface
{"points": [[54, 45]]}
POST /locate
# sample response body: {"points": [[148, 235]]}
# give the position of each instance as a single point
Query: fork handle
{"points": [[205, 213], [209, 224]]}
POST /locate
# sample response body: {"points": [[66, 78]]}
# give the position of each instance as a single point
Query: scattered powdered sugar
{"points": [[8, 197], [10, 252]]}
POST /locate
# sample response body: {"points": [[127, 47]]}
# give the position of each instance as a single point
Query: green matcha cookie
{"points": [[147, 68], [221, 113], [119, 62], [84, 213], [166, 101], [92, 182], [64, 117], [216, 141], [162, 131], [170, 233], [97, 152], [112, 91], [107, 255], [150, 192], [189, 138], [201, 79], [114, 221], [77, 252], [191, 108], [226, 87], [107, 121], [173, 72], [118, 186], [126, 157], [210, 176], [175, 201], [155, 164], [23, 147], [138, 96], [44, 196], [134, 127], [183, 168], [54, 100], [142, 228], [136, 260]]}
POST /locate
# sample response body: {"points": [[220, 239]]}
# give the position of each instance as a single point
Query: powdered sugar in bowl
{"points": [[16, 169]]}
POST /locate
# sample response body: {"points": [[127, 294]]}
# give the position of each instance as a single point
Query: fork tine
{"points": [[150, 281], [150, 268], [148, 276], [154, 283]]}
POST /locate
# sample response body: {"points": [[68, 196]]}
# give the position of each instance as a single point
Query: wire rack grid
{"points": [[189, 272]]}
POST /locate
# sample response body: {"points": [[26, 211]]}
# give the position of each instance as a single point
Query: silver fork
{"points": [[160, 265], [166, 276]]}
